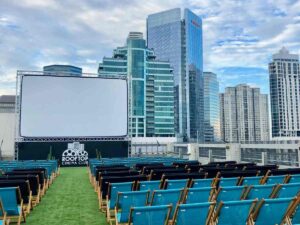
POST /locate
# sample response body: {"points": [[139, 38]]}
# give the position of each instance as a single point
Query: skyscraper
{"points": [[244, 114], [211, 108], [178, 39], [150, 82], [285, 94]]}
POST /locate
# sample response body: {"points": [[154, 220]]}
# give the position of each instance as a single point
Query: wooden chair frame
{"points": [[291, 210]]}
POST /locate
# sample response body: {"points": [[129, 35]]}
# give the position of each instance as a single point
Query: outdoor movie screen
{"points": [[67, 106]]}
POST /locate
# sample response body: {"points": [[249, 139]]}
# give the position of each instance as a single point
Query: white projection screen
{"points": [[65, 106]]}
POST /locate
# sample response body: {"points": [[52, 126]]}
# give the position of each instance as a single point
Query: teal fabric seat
{"points": [[193, 214], [199, 195], [9, 201], [150, 215], [234, 212], [294, 179], [251, 180], [149, 186], [228, 182], [127, 200], [276, 179], [272, 211], [176, 184], [230, 193], [201, 183], [261, 191], [288, 190], [114, 189], [167, 197]]}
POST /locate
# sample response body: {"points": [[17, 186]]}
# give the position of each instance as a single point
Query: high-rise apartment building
{"points": [[150, 85], [178, 39], [285, 94], [211, 108], [244, 115]]}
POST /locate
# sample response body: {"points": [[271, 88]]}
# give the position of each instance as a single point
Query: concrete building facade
{"points": [[244, 115], [284, 75]]}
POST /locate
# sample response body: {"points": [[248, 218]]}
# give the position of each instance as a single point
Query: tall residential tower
{"points": [[244, 115], [150, 85], [285, 94], [178, 39]]}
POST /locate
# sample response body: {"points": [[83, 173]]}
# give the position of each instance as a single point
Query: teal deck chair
{"points": [[111, 198], [176, 184], [127, 200], [150, 215], [276, 179], [149, 185], [251, 180], [193, 214], [261, 191], [272, 211], [288, 190], [9, 197], [234, 212], [199, 195], [231, 193], [201, 183], [228, 182], [167, 197], [114, 189], [294, 178]]}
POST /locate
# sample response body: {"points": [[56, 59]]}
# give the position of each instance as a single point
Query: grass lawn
{"points": [[70, 200]]}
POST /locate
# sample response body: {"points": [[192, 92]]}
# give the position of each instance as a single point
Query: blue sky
{"points": [[239, 37]]}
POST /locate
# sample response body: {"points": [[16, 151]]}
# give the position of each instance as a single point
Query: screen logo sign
{"points": [[75, 155]]}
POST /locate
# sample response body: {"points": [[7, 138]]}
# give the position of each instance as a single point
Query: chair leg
{"points": [[19, 220]]}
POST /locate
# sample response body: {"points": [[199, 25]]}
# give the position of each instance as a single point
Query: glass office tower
{"points": [[178, 39], [151, 82], [212, 131], [63, 69]]}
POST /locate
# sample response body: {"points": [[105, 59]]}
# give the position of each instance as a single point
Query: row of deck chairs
{"points": [[132, 162], [131, 208], [105, 190], [118, 178], [22, 186], [178, 192]]}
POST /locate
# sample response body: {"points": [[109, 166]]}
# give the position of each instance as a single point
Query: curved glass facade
{"points": [[151, 82]]}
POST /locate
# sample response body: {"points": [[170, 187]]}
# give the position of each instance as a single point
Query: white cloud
{"points": [[236, 33]]}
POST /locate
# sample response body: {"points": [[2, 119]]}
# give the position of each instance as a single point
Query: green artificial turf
{"points": [[70, 200]]}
